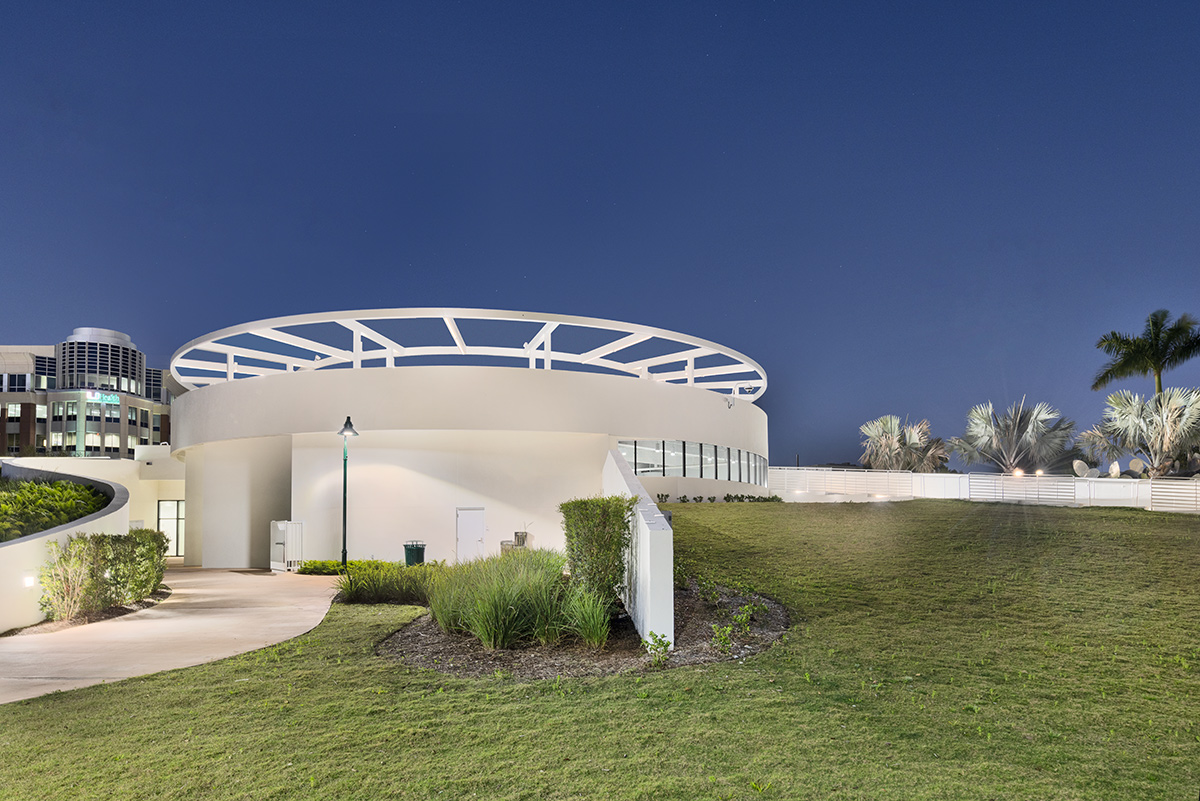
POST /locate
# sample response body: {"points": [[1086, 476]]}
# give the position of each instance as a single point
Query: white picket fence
{"points": [[824, 484]]}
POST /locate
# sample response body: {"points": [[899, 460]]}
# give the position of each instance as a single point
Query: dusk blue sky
{"points": [[905, 208]]}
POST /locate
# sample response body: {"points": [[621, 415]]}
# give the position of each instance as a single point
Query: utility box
{"points": [[287, 545]]}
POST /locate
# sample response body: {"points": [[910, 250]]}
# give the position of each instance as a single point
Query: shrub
{"points": [[743, 616], [598, 534], [73, 578], [722, 638], [658, 649], [95, 571], [139, 561]]}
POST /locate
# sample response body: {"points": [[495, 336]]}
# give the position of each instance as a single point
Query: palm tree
{"points": [[1021, 438], [1161, 346], [891, 446], [1155, 429]]}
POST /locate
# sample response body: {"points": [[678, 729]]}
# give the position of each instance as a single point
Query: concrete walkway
{"points": [[210, 615]]}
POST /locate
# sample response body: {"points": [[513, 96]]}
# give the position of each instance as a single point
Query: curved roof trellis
{"points": [[399, 337]]}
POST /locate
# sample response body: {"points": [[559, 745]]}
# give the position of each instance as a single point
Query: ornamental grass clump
{"points": [[504, 601], [514, 598], [517, 598], [588, 617], [375, 582]]}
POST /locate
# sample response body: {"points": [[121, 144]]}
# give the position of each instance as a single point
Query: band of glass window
{"points": [[673, 457]]}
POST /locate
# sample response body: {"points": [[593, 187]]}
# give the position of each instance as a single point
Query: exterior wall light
{"points": [[1018, 472], [346, 432]]}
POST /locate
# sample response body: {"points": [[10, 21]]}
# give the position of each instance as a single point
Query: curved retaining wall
{"points": [[20, 559]]}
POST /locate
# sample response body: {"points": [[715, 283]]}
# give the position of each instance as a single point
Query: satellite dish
{"points": [[1080, 467], [1114, 470], [1092, 473], [1137, 466]]}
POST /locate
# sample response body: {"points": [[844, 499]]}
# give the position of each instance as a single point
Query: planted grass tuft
{"points": [[940, 650]]}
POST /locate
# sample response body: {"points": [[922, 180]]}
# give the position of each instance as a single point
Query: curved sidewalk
{"points": [[210, 615]]}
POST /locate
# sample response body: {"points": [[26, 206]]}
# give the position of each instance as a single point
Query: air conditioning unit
{"points": [[287, 545]]}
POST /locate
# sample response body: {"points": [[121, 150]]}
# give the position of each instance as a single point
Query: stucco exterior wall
{"points": [[407, 486], [514, 441], [234, 490]]}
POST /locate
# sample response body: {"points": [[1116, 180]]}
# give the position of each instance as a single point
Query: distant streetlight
{"points": [[346, 432]]}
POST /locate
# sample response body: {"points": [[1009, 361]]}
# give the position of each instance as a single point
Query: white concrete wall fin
{"points": [[649, 592]]}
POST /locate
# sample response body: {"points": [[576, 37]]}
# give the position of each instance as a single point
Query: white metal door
{"points": [[470, 534]]}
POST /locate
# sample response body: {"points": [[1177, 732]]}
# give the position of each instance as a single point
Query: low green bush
{"points": [[731, 498], [331, 567], [95, 571], [138, 564], [27, 507], [377, 582]]}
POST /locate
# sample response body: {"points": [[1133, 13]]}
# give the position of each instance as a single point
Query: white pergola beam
{"points": [[455, 334], [612, 347], [373, 335], [319, 348], [677, 356]]}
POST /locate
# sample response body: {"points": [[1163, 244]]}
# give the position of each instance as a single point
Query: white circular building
{"points": [[473, 424]]}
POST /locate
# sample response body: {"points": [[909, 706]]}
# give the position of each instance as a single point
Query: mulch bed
{"points": [[422, 644], [51, 626]]}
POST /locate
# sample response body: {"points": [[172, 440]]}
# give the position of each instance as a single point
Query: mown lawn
{"points": [[940, 650]]}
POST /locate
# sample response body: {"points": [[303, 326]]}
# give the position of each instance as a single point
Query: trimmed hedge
{"points": [[332, 567], [598, 535], [95, 571]]}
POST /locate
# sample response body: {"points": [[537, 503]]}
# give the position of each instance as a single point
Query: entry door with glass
{"points": [[170, 522]]}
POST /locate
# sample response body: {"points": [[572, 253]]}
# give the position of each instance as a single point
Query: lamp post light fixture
{"points": [[346, 432]]}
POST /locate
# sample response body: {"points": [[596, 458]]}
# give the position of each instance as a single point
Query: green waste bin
{"points": [[414, 553]]}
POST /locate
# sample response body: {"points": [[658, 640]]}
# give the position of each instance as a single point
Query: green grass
{"points": [[940, 650]]}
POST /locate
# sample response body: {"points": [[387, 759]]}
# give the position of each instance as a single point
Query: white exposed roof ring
{"points": [[395, 337]]}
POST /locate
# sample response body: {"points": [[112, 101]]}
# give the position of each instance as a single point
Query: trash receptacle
{"points": [[414, 553]]}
